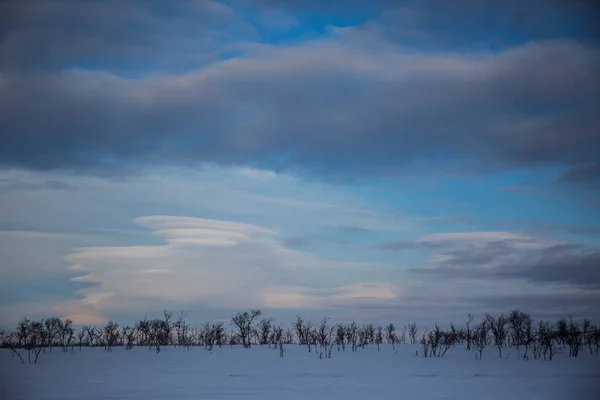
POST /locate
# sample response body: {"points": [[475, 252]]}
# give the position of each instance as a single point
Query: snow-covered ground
{"points": [[259, 373]]}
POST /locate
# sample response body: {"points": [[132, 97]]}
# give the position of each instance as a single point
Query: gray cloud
{"points": [[126, 36], [531, 105], [577, 269], [587, 174], [543, 305], [545, 227], [586, 230], [267, 108], [526, 258], [469, 24], [9, 184]]}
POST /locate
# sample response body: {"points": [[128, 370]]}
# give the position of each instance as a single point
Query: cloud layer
{"points": [[326, 105]]}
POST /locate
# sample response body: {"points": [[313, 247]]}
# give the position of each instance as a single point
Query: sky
{"points": [[382, 161]]}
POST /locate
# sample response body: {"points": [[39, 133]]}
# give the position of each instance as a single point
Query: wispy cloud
{"points": [[228, 264]]}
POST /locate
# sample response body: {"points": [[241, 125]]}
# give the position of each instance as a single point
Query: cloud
{"points": [[8, 184], [267, 109], [586, 230], [469, 24], [222, 263], [582, 174], [290, 297], [125, 37], [442, 240], [497, 255], [545, 227], [353, 229]]}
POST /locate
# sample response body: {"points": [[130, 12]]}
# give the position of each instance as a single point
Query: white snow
{"points": [[259, 373]]}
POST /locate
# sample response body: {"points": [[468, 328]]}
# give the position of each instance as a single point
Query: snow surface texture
{"points": [[259, 373]]}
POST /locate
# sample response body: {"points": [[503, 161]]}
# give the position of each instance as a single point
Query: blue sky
{"points": [[382, 161]]}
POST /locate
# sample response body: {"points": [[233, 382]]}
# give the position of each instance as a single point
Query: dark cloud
{"points": [[587, 174], [576, 269], [586, 230], [323, 106], [528, 260], [443, 309], [129, 37], [474, 24], [542, 305]]}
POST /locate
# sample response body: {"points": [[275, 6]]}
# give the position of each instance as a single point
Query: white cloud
{"points": [[228, 264], [294, 297]]}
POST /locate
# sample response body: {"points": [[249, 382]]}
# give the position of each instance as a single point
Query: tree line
{"points": [[537, 339]]}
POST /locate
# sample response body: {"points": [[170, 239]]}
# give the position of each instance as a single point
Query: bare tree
{"points": [[497, 326], [324, 338], [390, 335], [111, 335], [265, 326], [468, 333], [480, 338], [574, 337], [299, 327], [518, 323], [448, 340], [30, 336], [561, 331], [66, 334], [424, 343], [588, 334], [378, 336], [340, 337], [549, 341], [352, 335], [181, 329], [243, 323], [80, 338], [413, 330]]}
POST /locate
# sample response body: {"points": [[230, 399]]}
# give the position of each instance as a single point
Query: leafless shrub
{"points": [[480, 338], [263, 330], [497, 326], [574, 338], [352, 335], [424, 343], [340, 337], [413, 330], [324, 338], [549, 341], [390, 335], [520, 331], [468, 332], [29, 336], [181, 330], [448, 340], [379, 336], [303, 329], [111, 335], [243, 323]]}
